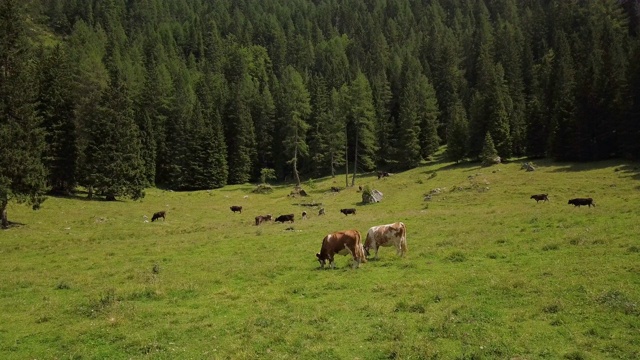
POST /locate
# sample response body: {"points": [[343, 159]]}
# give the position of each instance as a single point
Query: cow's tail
{"points": [[359, 249], [403, 239]]}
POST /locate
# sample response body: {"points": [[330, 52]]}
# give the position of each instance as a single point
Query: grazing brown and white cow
{"points": [[540, 197], [348, 211], [582, 201], [158, 215], [262, 218], [236, 208], [387, 235], [343, 243]]}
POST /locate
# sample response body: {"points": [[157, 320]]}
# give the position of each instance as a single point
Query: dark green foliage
{"points": [[22, 140], [489, 152], [544, 78], [56, 108], [113, 163]]}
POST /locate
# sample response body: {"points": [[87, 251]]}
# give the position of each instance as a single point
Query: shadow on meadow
{"points": [[586, 166], [81, 195]]}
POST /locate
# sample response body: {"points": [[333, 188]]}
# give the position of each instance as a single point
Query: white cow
{"points": [[387, 235]]}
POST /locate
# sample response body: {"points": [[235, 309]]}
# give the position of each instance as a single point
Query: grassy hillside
{"points": [[490, 273]]}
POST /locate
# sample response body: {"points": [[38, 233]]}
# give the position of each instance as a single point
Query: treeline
{"points": [[116, 95]]}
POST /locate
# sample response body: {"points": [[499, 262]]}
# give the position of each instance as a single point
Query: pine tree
{"points": [[113, 163], [489, 153], [428, 114], [296, 113], [22, 140], [240, 136], [458, 133], [337, 128], [362, 117], [55, 107]]}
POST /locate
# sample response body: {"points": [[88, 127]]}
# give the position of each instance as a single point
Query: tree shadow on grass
{"points": [[82, 196], [595, 165], [13, 224]]}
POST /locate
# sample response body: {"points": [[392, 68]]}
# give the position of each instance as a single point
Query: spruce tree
{"points": [[362, 117], [458, 133], [489, 153], [428, 114], [113, 164], [22, 140], [56, 108], [296, 112]]}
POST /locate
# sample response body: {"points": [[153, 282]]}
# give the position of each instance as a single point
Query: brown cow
{"points": [[343, 243], [540, 197], [348, 211], [236, 208], [382, 174], [158, 215], [262, 218], [387, 235], [304, 214], [321, 211]]}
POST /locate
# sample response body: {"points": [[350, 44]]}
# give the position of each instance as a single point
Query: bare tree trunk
{"points": [[346, 165], [295, 166], [3, 214], [355, 161], [333, 170]]}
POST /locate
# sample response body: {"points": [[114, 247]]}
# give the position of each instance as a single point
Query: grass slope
{"points": [[490, 274]]}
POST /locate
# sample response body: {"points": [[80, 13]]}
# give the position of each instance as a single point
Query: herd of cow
{"points": [[575, 202], [349, 242]]}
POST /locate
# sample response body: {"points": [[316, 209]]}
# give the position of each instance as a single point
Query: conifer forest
{"points": [[114, 96]]}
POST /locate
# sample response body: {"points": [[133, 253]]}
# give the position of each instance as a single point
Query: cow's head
{"points": [[321, 260]]}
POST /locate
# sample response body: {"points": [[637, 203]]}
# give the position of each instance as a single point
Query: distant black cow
{"points": [[382, 174], [540, 197], [236, 208], [158, 215], [262, 218], [304, 214], [321, 211], [582, 201], [348, 211], [335, 189], [284, 218]]}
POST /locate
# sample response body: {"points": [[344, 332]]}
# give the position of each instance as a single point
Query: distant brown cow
{"points": [[348, 211], [262, 218], [582, 201], [343, 243], [335, 189], [304, 214], [236, 208], [382, 174], [321, 211], [284, 218], [540, 197], [158, 215]]}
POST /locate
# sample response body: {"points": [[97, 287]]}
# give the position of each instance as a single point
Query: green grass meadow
{"points": [[490, 273]]}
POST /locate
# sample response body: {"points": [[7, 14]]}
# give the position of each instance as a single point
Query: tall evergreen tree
{"points": [[113, 163], [22, 140], [296, 114], [56, 108], [362, 117], [428, 114], [458, 133]]}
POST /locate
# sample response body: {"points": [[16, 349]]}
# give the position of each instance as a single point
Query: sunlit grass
{"points": [[489, 274]]}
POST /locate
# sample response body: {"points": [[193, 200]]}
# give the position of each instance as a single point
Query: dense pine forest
{"points": [[118, 95]]}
